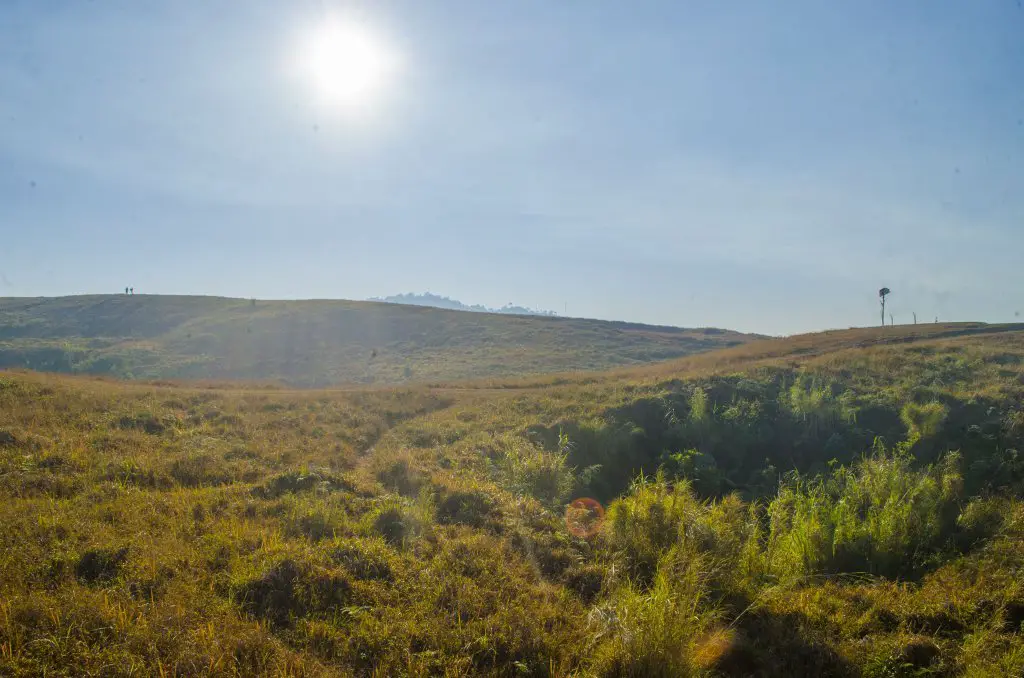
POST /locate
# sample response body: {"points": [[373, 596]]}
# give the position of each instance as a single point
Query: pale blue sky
{"points": [[753, 165]]}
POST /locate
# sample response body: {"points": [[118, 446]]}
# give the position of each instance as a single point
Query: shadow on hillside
{"points": [[746, 438], [768, 644], [751, 433]]}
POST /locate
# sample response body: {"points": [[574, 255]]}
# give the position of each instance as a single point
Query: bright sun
{"points": [[348, 66]]}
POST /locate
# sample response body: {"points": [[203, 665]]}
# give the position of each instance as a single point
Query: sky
{"points": [[758, 166]]}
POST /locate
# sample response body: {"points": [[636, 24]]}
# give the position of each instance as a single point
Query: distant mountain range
{"points": [[437, 301]]}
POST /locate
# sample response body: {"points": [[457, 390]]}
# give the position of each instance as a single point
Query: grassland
{"points": [[318, 343], [839, 504]]}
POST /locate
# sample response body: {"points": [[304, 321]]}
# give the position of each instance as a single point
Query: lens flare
{"points": [[583, 517]]}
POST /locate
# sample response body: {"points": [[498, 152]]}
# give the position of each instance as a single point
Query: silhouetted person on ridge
{"points": [[133, 291], [126, 291]]}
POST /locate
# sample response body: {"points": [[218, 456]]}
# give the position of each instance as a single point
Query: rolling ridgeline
{"points": [[319, 343], [841, 504]]}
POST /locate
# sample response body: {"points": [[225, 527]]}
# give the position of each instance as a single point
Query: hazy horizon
{"points": [[762, 169]]}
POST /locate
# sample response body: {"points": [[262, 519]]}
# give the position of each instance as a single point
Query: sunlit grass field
{"points": [[319, 342], [838, 504]]}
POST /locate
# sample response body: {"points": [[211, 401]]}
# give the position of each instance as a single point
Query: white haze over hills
{"points": [[437, 301]]}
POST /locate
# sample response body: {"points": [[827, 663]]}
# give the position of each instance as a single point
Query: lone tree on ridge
{"points": [[882, 294]]}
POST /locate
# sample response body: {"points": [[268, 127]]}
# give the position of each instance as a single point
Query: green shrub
{"points": [[816, 405], [528, 470], [609, 453], [643, 525], [882, 517], [984, 518], [656, 517], [923, 421], [699, 410], [698, 468], [654, 631]]}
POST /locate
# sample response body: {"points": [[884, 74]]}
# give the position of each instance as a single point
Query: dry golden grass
{"points": [[177, 528]]}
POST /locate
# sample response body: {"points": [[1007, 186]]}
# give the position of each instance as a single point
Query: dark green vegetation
{"points": [[840, 504], [318, 343]]}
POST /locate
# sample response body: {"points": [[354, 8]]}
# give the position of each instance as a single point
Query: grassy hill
{"points": [[840, 504], [318, 342]]}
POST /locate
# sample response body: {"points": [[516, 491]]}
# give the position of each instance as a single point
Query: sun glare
{"points": [[347, 64]]}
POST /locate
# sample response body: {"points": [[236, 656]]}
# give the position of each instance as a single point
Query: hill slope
{"points": [[319, 342], [424, 531]]}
